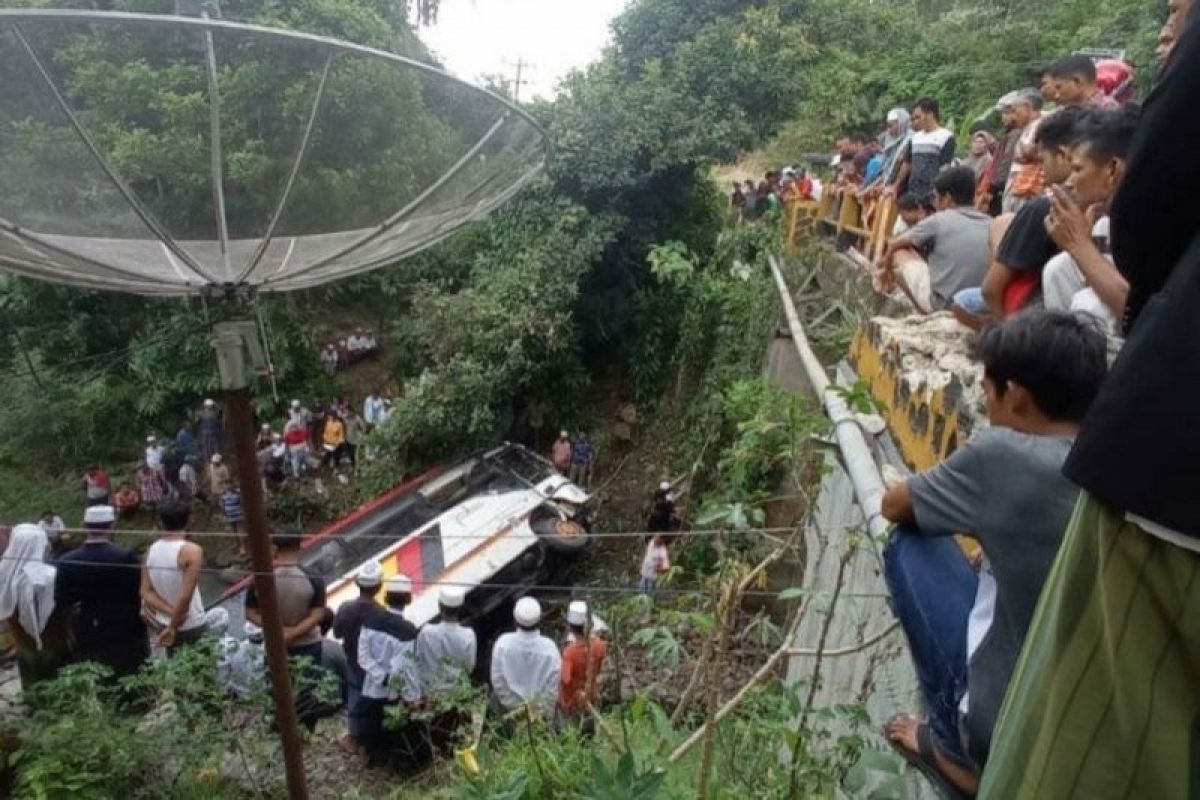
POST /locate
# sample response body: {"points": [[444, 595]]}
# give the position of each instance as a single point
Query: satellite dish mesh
{"points": [[166, 155]]}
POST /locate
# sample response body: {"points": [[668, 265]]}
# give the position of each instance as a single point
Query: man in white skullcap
{"points": [[446, 649], [446, 652], [103, 583], [525, 664], [580, 681], [347, 626], [387, 655], [210, 428]]}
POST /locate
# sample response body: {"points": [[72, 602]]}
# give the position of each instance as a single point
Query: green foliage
{"points": [[623, 782], [867, 57], [83, 739]]}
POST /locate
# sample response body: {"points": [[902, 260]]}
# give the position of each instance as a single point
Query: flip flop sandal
{"points": [[923, 759]]}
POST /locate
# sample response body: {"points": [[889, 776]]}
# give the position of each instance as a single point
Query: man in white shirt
{"points": [[526, 666], [373, 409], [154, 454], [387, 656], [446, 649], [1083, 277]]}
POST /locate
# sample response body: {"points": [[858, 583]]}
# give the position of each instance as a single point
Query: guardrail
{"points": [[841, 214]]}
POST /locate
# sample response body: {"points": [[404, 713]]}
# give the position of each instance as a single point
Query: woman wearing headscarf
{"points": [[894, 143], [38, 629], [980, 157]]}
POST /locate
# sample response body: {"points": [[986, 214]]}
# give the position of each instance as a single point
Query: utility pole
{"points": [[520, 64], [232, 340]]}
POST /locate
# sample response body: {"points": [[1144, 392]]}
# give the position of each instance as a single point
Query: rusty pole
{"points": [[231, 359]]}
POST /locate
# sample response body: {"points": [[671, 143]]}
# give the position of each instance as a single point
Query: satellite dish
{"points": [[165, 155]]}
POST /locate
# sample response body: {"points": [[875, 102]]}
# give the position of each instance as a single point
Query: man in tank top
{"points": [[171, 604]]}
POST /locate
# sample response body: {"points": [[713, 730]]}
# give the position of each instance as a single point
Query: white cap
{"points": [[266, 426], [398, 583], [370, 575], [217, 620], [150, 439], [893, 116], [99, 515], [564, 435], [577, 613], [209, 402], [252, 631], [216, 458], [276, 437], [527, 612], [295, 404], [452, 596], [665, 486]]}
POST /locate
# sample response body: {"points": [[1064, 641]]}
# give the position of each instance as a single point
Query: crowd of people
{"points": [[100, 603], [193, 468], [339, 354], [1067, 240], [767, 199]]}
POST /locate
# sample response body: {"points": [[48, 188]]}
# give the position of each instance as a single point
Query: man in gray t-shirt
{"points": [[1005, 488], [954, 241]]}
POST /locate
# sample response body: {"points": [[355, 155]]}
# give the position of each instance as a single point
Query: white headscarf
{"points": [[27, 581]]}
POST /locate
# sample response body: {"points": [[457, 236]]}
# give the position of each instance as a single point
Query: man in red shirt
{"points": [[578, 686]]}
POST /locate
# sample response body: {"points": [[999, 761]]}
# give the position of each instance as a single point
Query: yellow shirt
{"points": [[335, 433]]}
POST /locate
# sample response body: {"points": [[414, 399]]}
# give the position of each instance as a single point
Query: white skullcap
{"points": [[452, 596], [216, 459], [398, 583], [527, 612], [217, 620], [564, 435], [266, 426], [208, 401], [893, 116], [370, 575], [295, 404], [150, 439], [665, 486], [99, 515], [577, 613]]}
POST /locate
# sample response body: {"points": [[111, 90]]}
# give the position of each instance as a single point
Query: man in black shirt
{"points": [[347, 626], [104, 580], [1014, 276]]}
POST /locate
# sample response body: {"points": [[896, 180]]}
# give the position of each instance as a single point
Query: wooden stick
{"points": [[714, 690]]}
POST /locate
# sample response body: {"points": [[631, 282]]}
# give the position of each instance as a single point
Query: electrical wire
{"points": [[242, 573], [627, 534]]}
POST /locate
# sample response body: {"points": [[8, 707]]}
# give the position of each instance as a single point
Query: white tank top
{"points": [[162, 562]]}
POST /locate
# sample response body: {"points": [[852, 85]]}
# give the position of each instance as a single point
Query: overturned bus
{"points": [[497, 524]]}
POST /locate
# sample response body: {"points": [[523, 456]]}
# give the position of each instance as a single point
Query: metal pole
{"points": [[231, 360]]}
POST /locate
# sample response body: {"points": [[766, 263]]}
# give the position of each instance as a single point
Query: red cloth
{"points": [[1018, 292], [1115, 79], [574, 673], [295, 435]]}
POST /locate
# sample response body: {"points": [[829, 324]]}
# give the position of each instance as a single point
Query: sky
{"points": [[477, 37]]}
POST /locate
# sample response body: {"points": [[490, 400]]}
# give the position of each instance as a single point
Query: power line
{"points": [[626, 534], [542, 587]]}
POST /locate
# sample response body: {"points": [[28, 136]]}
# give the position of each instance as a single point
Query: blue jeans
{"points": [[933, 591]]}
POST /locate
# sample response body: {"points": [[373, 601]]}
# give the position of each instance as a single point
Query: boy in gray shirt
{"points": [[1042, 370], [954, 241]]}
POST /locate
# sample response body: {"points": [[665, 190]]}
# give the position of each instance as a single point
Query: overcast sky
{"points": [[477, 37]]}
